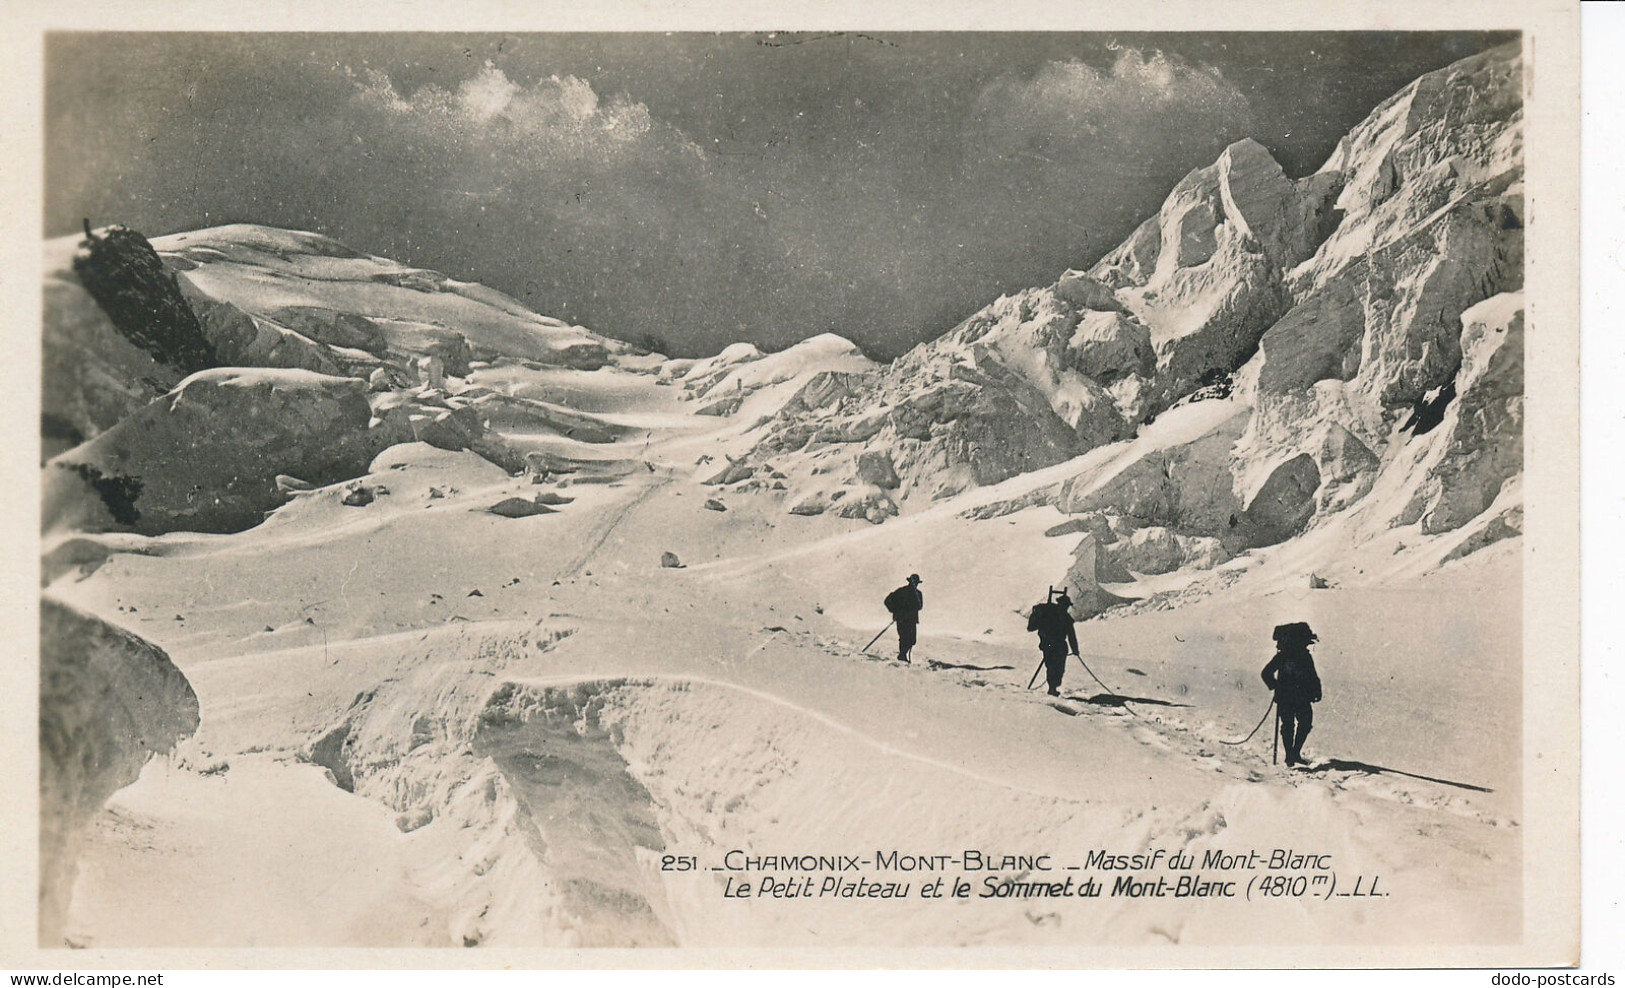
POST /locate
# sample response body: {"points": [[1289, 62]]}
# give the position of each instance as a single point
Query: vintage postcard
{"points": [[998, 486]]}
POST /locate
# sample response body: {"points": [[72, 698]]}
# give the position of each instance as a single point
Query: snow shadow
{"points": [[583, 813], [1346, 765], [1118, 700], [934, 664]]}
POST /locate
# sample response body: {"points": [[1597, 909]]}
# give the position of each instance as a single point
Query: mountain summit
{"points": [[1364, 321]]}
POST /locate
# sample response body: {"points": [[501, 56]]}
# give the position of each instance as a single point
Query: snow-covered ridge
{"points": [[266, 297], [294, 357], [274, 273]]}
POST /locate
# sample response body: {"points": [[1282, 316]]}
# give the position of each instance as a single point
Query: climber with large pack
{"points": [[1056, 633], [1291, 674], [905, 604]]}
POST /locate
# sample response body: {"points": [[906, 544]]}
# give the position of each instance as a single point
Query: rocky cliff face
{"points": [[1206, 274], [1373, 355], [1366, 320]]}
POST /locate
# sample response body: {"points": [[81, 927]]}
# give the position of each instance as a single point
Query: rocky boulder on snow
{"points": [[1286, 502], [871, 504], [1154, 550], [1347, 467], [935, 424], [518, 507], [206, 457], [1390, 384]]}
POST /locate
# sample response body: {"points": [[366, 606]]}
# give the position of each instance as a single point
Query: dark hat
{"points": [[915, 578], [1295, 633]]}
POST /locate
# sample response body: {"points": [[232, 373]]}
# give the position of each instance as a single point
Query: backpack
{"points": [[900, 599], [1040, 617]]}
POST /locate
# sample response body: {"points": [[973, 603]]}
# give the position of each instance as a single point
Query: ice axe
{"points": [[877, 637], [1275, 749]]}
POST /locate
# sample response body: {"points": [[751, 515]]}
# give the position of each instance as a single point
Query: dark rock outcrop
{"points": [[92, 375], [128, 280]]}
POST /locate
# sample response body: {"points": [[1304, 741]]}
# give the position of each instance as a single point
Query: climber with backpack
{"points": [[1291, 674], [905, 604], [1053, 621]]}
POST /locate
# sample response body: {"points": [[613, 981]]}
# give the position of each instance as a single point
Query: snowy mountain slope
{"points": [[703, 715], [430, 656]]}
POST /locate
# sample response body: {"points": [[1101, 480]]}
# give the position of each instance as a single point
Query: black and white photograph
{"points": [[1050, 490]]}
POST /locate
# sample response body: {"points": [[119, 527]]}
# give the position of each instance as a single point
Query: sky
{"points": [[691, 190]]}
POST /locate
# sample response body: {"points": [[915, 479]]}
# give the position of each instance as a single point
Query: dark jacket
{"points": [[1291, 674], [905, 604], [1054, 626]]}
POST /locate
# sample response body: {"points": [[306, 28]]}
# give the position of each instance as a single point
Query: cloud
{"points": [[583, 205], [1139, 89], [551, 118]]}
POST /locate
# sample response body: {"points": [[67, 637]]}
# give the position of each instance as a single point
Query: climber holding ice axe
{"points": [[905, 604], [1056, 632]]}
